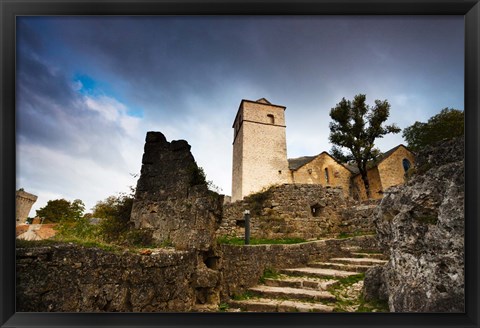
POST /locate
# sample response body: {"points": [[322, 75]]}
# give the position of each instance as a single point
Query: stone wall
{"points": [[70, 278], [242, 266], [314, 173], [391, 168], [24, 202], [172, 197], [387, 173], [302, 211], [421, 225]]}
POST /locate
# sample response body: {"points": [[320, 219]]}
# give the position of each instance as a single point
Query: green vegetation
{"points": [[244, 296], [223, 307], [346, 299], [269, 274], [343, 235], [61, 210], [258, 241], [448, 124], [114, 231], [372, 306], [355, 126], [197, 175], [256, 201]]}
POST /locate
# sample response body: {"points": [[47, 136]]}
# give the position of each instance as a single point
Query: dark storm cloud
{"points": [[50, 112], [186, 76], [156, 61]]}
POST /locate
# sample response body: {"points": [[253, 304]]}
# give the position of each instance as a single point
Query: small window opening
{"points": [[240, 223], [406, 164], [279, 171], [271, 118], [315, 210], [327, 178]]}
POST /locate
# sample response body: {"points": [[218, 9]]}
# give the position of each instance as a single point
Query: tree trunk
{"points": [[366, 183]]}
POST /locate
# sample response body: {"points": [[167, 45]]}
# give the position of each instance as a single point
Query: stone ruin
{"points": [[172, 200], [24, 202]]}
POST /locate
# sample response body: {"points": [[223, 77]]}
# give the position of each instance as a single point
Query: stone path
{"points": [[306, 289]]}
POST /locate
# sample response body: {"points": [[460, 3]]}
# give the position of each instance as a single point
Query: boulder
{"points": [[421, 226]]}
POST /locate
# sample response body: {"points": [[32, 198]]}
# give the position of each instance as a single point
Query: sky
{"points": [[89, 88]]}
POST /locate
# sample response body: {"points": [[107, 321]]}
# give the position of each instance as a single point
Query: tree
{"points": [[448, 124], [62, 210], [355, 126], [115, 214]]}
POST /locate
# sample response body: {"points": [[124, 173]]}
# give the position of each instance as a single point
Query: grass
{"points": [[344, 235], [258, 241], [244, 296], [222, 307], [344, 302], [269, 274]]}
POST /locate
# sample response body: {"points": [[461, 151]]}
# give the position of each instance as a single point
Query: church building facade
{"points": [[260, 158]]}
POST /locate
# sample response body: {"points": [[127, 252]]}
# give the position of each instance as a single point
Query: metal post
{"points": [[246, 216]]}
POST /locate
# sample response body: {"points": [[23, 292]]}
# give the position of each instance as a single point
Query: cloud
{"points": [[89, 88]]}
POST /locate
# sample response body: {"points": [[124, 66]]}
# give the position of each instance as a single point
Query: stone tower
{"points": [[259, 148], [24, 202]]}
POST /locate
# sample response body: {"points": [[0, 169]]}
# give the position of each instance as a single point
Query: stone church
{"points": [[260, 158]]}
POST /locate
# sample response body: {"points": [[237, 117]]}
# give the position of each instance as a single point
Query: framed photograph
{"points": [[151, 140]]}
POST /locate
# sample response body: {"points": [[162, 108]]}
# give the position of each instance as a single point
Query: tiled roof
{"points": [[296, 163]]}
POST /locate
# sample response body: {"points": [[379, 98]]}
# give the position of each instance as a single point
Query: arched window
{"points": [[271, 118], [327, 178], [406, 164]]}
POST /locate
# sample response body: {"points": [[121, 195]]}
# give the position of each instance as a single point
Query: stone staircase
{"points": [[307, 289]]}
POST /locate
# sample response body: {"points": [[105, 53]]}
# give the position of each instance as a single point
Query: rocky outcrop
{"points": [[421, 225], [172, 197]]}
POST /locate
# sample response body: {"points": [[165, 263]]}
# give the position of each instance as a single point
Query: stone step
{"points": [[379, 256], [341, 266], [358, 260], [276, 305], [318, 272], [301, 282], [292, 293]]}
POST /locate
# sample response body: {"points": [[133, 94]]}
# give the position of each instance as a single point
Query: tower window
{"points": [[271, 118], [406, 164], [327, 178]]}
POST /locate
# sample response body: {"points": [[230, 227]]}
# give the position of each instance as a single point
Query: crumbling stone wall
{"points": [[242, 266], [24, 202], [421, 225], [171, 197], [297, 210], [71, 278]]}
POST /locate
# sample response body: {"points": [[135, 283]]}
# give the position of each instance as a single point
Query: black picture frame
{"points": [[12, 8]]}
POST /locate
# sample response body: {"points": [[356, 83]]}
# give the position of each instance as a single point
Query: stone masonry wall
{"points": [[71, 278], [259, 148], [24, 202], [314, 173], [302, 211], [242, 266]]}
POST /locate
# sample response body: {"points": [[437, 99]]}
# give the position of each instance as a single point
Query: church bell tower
{"points": [[259, 148]]}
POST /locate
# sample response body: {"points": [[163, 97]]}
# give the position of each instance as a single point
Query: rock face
{"points": [[421, 225], [172, 197]]}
